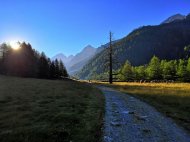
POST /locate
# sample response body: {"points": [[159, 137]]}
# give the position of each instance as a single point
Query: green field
{"points": [[172, 99], [34, 110]]}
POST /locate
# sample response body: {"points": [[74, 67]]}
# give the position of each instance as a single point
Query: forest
{"points": [[156, 70], [163, 70], [27, 62]]}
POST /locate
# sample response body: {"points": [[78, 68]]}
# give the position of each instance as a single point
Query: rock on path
{"points": [[128, 119]]}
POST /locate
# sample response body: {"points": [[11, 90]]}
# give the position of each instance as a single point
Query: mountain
{"points": [[80, 59], [74, 68], [86, 53], [75, 63], [173, 18], [166, 41], [62, 57]]}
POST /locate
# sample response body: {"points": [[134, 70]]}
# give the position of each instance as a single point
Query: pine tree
{"points": [[154, 70], [167, 71], [4, 51], [181, 70], [126, 72], [43, 66], [56, 68], [140, 72], [62, 69], [52, 69]]}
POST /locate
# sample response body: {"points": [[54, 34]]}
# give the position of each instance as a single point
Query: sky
{"points": [[67, 26]]}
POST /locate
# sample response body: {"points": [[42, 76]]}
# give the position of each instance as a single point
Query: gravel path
{"points": [[128, 119]]}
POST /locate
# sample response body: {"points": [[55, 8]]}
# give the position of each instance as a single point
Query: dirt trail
{"points": [[128, 119]]}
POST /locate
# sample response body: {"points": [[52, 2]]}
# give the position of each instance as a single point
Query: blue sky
{"points": [[67, 26]]}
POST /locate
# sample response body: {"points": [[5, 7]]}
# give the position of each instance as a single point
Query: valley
{"points": [[95, 71]]}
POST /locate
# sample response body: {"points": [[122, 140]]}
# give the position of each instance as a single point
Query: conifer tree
{"points": [[154, 70], [181, 70], [126, 72]]}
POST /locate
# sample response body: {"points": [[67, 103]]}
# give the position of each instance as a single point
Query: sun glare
{"points": [[14, 45]]}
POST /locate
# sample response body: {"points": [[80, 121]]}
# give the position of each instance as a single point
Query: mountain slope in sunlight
{"points": [[166, 41]]}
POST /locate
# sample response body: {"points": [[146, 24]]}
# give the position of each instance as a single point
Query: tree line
{"points": [[156, 69], [27, 62]]}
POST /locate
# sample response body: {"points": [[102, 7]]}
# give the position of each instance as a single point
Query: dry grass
{"points": [[172, 99], [175, 86], [34, 110]]}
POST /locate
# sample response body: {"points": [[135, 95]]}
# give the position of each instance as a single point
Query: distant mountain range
{"points": [[166, 41], [64, 58], [75, 63]]}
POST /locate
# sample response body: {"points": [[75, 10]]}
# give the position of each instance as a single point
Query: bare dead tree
{"points": [[110, 60]]}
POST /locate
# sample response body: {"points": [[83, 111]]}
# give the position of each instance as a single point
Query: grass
{"points": [[34, 110], [172, 99]]}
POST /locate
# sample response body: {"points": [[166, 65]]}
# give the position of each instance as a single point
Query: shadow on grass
{"points": [[34, 110]]}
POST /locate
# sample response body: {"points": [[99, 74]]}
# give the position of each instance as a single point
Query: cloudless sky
{"points": [[67, 26]]}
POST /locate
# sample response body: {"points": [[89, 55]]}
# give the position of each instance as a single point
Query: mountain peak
{"points": [[173, 18], [88, 47]]}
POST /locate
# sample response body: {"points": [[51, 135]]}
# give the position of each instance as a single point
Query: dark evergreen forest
{"points": [[27, 62]]}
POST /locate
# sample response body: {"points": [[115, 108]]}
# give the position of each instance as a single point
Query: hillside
{"points": [[166, 41]]}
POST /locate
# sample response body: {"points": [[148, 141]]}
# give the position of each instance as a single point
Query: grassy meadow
{"points": [[34, 110], [172, 99]]}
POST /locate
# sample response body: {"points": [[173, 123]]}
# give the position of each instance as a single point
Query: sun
{"points": [[14, 45]]}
